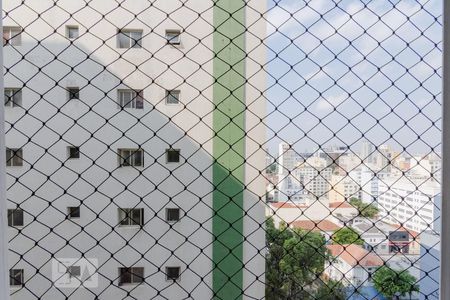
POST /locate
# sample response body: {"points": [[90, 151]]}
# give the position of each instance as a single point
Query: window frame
{"points": [[168, 278], [73, 93], [11, 212], [168, 214], [127, 158], [73, 212], [15, 94], [174, 33], [73, 155], [172, 150], [171, 93], [13, 277], [136, 98], [68, 31], [14, 157], [127, 217], [133, 275], [13, 40], [132, 41]]}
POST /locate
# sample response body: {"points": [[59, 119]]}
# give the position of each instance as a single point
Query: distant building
{"points": [[352, 265], [414, 205]]}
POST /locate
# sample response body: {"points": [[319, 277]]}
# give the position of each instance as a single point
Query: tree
{"points": [[364, 209], [331, 290], [294, 262], [392, 284], [346, 235]]}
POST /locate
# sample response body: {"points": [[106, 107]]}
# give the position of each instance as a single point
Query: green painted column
{"points": [[228, 147]]}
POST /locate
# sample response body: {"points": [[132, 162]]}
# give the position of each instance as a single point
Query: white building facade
{"points": [[111, 142]]}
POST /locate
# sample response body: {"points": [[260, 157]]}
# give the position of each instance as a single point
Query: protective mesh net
{"points": [[227, 149]]}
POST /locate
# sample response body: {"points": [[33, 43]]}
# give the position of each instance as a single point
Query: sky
{"points": [[342, 71]]}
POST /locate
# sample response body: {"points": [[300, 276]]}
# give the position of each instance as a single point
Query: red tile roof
{"points": [[397, 227], [340, 205], [355, 255], [320, 225], [287, 205]]}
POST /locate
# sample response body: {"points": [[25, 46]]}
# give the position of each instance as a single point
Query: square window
{"points": [[173, 37], [15, 217], [73, 212], [173, 97], [172, 214], [173, 273], [131, 216], [173, 155], [129, 38], [72, 32], [16, 277], [14, 157], [73, 152], [131, 99], [13, 97], [74, 93], [134, 275], [131, 157], [12, 36], [74, 271]]}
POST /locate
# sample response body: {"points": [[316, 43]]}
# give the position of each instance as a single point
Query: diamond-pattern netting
{"points": [[227, 149]]}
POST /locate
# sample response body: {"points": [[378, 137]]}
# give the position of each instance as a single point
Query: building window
{"points": [[13, 97], [173, 273], [73, 212], [12, 36], [131, 216], [73, 152], [134, 275], [172, 97], [127, 38], [131, 99], [16, 277], [72, 32], [14, 157], [173, 37], [173, 155], [131, 157], [74, 271], [15, 217], [172, 215], [73, 93]]}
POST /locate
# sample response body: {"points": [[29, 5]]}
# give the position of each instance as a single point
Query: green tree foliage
{"points": [[346, 235], [392, 284], [365, 210], [331, 290], [295, 261]]}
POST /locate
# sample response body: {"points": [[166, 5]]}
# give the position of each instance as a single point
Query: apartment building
{"points": [[111, 141], [413, 204]]}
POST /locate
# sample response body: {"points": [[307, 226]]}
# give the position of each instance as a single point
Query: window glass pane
{"points": [[72, 32], [125, 276], [140, 99], [18, 217], [17, 97], [123, 40], [173, 97], [173, 37], [138, 161], [16, 39], [17, 158], [137, 275], [74, 212], [74, 152], [136, 39], [136, 216], [124, 216]]}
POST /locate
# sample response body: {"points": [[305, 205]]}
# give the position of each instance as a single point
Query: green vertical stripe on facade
{"points": [[228, 147]]}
